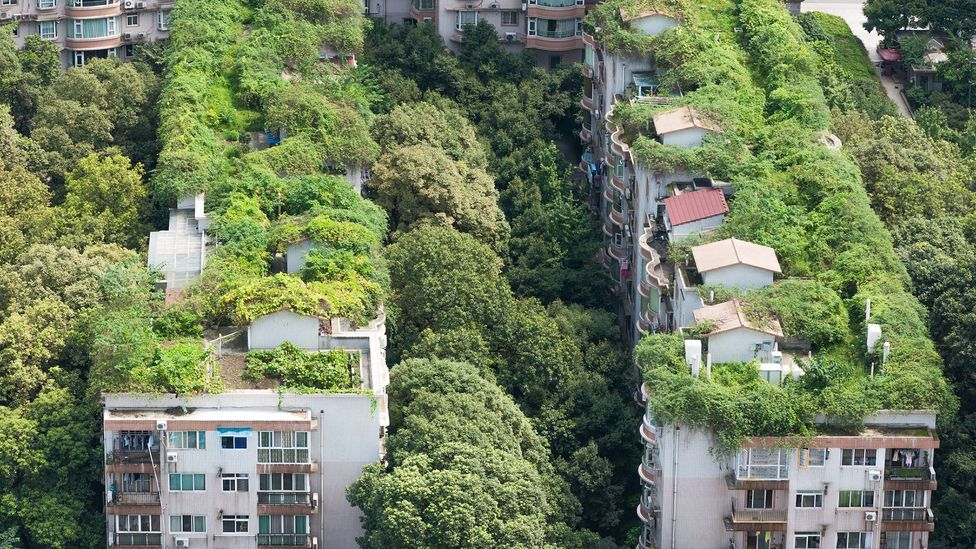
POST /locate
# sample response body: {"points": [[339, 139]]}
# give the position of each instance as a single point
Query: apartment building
{"points": [[88, 29], [871, 490], [550, 29], [236, 470]]}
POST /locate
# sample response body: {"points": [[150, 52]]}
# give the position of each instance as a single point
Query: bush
{"points": [[298, 370]]}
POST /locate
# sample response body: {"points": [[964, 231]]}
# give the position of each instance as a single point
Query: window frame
{"points": [[864, 540], [194, 521], [768, 497], [182, 439], [512, 14], [459, 22], [47, 4], [240, 482], [271, 477], [129, 17], [237, 521], [808, 537], [918, 499], [125, 529], [803, 497], [274, 443], [235, 442], [52, 24], [849, 457], [193, 478], [864, 495], [807, 457]]}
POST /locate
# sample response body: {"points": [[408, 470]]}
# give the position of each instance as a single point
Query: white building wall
{"points": [[654, 24], [686, 139], [737, 345], [686, 300], [739, 276], [676, 232], [296, 254], [272, 330]]}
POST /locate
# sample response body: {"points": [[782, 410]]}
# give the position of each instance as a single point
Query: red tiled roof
{"points": [[696, 205]]}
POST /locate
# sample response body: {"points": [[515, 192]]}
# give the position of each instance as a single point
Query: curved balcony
{"points": [[616, 252], [603, 257], [585, 133], [583, 166], [554, 43], [588, 39], [654, 272], [618, 183], [549, 9], [617, 217], [587, 103], [647, 432], [90, 44], [607, 227], [93, 9], [644, 327], [587, 71], [609, 161], [646, 318]]}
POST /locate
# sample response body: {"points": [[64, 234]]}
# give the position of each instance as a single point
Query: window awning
{"points": [[235, 431]]}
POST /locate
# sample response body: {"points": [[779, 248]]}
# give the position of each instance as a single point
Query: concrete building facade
{"points": [[88, 29]]}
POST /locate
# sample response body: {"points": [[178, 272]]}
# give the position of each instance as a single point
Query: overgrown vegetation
{"points": [[301, 371]]}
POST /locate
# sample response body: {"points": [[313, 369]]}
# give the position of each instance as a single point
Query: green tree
{"points": [[888, 16], [105, 199]]}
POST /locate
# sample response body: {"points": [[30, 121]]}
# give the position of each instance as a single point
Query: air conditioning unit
{"points": [[18, 16], [129, 4], [160, 425], [182, 542], [510, 36], [870, 516], [140, 5], [141, 35], [127, 36], [172, 457], [874, 476], [428, 20], [524, 6], [315, 500], [315, 543], [4, 15], [493, 5]]}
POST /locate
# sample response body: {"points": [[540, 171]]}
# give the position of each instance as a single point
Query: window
{"points": [[132, 20], [759, 499], [162, 20], [283, 482], [898, 540], [95, 28], [904, 498], [806, 540], [185, 440], [763, 463], [233, 442], [423, 5], [282, 530], [809, 499], [137, 482], [46, 4], [93, 3], [8, 2], [813, 457], [855, 498], [859, 457], [181, 524], [853, 540], [234, 482], [48, 30], [128, 50], [509, 18], [79, 58], [234, 523], [531, 26], [137, 523], [466, 18], [283, 447], [187, 482]]}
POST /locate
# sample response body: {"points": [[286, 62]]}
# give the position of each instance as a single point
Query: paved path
{"points": [[853, 12]]}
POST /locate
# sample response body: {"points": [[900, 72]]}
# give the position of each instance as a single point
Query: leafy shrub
{"points": [[296, 369]]}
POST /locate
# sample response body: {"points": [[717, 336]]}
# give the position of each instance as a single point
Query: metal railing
{"points": [[284, 498], [135, 498], [909, 473], [757, 515], [133, 456], [138, 539], [284, 540], [907, 514], [569, 33], [556, 3]]}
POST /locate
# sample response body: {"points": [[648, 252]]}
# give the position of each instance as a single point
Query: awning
{"points": [[235, 431], [889, 55]]}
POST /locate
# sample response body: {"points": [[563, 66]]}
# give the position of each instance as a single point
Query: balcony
{"points": [[588, 39], [907, 519], [756, 520], [557, 40], [91, 44], [910, 478], [284, 540], [287, 503], [135, 498], [88, 9], [585, 133], [556, 9], [139, 540], [587, 103], [647, 431], [143, 455]]}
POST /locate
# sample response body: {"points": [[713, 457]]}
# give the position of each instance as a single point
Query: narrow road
{"points": [[853, 12]]}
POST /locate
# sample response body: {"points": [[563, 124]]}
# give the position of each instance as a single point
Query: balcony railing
{"points": [[283, 455], [135, 498], [145, 455], [284, 540], [558, 34], [907, 514], [284, 498], [758, 515], [555, 3], [138, 539], [910, 473]]}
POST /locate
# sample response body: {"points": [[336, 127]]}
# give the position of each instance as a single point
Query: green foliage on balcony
{"points": [[301, 371]]}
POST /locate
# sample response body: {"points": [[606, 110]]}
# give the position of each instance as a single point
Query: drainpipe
{"points": [[674, 484]]}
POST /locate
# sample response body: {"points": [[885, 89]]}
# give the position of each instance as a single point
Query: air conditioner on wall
{"points": [[315, 500], [160, 425], [493, 5], [874, 476], [428, 20], [142, 36], [127, 36], [140, 5], [510, 36], [172, 457], [870, 516], [4, 15], [129, 4], [182, 542]]}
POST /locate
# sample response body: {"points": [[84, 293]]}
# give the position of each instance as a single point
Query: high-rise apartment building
{"points": [[866, 489], [87, 29]]}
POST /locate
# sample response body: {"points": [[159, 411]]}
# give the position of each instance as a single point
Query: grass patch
{"points": [[849, 52]]}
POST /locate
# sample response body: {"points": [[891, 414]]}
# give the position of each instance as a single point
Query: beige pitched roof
{"points": [[681, 118], [730, 316], [732, 251]]}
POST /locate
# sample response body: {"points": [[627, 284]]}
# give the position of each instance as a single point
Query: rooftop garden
{"points": [[753, 67]]}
